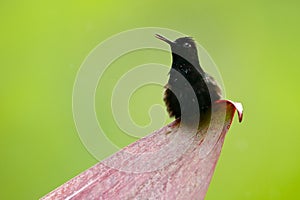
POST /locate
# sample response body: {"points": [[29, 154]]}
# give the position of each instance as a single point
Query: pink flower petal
{"points": [[167, 164]]}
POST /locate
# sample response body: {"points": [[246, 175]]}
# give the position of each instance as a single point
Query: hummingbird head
{"points": [[185, 47]]}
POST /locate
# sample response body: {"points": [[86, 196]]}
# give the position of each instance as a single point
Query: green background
{"points": [[254, 43]]}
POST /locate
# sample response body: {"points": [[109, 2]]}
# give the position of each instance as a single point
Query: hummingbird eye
{"points": [[187, 45]]}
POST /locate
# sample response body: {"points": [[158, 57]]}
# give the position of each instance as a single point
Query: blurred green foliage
{"points": [[254, 43]]}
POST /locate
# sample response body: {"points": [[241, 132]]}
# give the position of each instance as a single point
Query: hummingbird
{"points": [[189, 87]]}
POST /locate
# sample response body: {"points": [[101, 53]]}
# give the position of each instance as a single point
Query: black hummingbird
{"points": [[189, 87]]}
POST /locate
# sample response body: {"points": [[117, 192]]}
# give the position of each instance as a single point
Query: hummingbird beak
{"points": [[164, 39]]}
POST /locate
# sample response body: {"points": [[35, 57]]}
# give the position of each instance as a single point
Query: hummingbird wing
{"points": [[214, 88]]}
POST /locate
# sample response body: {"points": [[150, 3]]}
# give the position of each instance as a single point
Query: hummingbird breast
{"points": [[189, 89]]}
